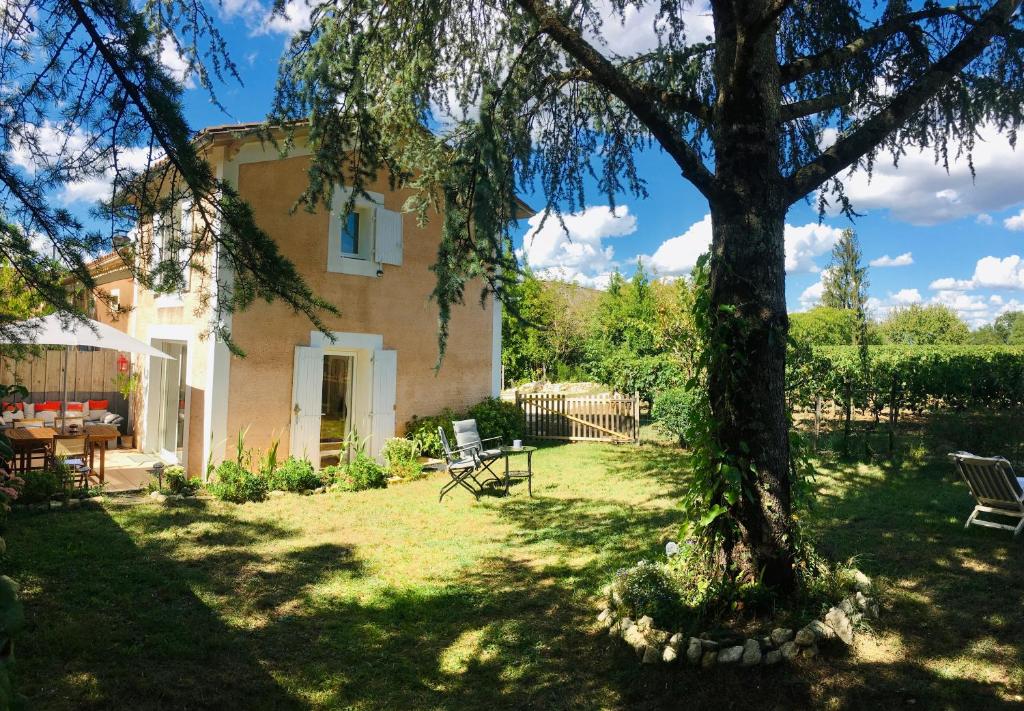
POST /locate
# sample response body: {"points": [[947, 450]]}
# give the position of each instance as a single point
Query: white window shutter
{"points": [[385, 387], [388, 237], [307, 392]]}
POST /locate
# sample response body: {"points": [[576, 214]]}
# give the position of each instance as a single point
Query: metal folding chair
{"points": [[461, 466], [468, 437]]}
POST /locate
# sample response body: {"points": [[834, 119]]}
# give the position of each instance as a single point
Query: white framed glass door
{"points": [[336, 407], [168, 380]]}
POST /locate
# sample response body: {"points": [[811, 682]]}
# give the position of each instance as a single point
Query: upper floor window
{"points": [[365, 238], [172, 240]]}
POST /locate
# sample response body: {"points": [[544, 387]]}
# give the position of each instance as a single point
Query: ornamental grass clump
{"points": [[402, 457]]}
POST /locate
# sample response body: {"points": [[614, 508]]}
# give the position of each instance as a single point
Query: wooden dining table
{"points": [[27, 439]]}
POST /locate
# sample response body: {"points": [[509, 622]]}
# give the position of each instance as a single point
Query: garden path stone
{"points": [[781, 635], [730, 655], [694, 650], [821, 630], [709, 659], [838, 621], [789, 650], [805, 638], [669, 654], [652, 655], [861, 581], [772, 658], [635, 639], [751, 653]]}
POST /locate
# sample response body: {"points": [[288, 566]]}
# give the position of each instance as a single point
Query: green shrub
{"points": [[236, 484], [41, 485], [677, 412], [177, 481], [361, 473], [294, 475], [497, 418], [402, 456], [423, 431], [650, 589]]}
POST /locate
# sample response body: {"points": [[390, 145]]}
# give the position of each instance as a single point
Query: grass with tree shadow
{"points": [[387, 599]]}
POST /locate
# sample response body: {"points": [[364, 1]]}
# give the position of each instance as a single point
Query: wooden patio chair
{"points": [[74, 451], [468, 437], [996, 489], [461, 466]]}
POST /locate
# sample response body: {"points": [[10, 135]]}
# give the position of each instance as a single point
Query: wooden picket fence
{"points": [[566, 417]]}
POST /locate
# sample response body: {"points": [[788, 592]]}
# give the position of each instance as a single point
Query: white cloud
{"points": [[54, 145], [806, 242], [678, 255], [903, 260], [176, 64], [1015, 223], [905, 297], [578, 247], [953, 284], [294, 19], [983, 219], [576, 276], [812, 295], [633, 31], [923, 193], [993, 272]]}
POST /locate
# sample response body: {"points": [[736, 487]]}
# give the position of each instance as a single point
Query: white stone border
{"points": [[655, 646]]}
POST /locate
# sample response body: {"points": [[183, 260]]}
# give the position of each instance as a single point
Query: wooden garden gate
{"points": [[566, 417]]}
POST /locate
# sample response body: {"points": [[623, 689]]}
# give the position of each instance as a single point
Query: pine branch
{"points": [[631, 94], [801, 67], [873, 131], [815, 105]]}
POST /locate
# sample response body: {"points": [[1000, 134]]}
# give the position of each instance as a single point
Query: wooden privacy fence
{"points": [[91, 375], [598, 418]]}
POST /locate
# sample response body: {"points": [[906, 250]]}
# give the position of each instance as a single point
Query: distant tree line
{"points": [[636, 335]]}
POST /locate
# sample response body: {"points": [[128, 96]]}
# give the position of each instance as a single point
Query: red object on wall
{"points": [[122, 363]]}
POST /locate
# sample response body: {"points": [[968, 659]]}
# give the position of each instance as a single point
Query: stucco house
{"points": [[294, 384]]}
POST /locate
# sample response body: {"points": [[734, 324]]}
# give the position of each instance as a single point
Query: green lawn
{"points": [[389, 600]]}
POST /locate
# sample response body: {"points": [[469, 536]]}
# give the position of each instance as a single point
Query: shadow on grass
{"points": [[120, 615]]}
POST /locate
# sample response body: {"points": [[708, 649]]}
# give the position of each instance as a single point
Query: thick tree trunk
{"points": [[748, 298]]}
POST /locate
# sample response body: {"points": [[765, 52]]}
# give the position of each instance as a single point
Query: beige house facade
{"points": [[308, 390]]}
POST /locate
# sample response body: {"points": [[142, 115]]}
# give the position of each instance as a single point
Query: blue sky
{"points": [[949, 239]]}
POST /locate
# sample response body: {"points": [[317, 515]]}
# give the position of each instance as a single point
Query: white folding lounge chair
{"points": [[995, 487]]}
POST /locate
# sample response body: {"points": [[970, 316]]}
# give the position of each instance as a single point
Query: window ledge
{"points": [[169, 301], [355, 267]]}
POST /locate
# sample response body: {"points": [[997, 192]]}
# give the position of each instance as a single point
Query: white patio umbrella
{"points": [[52, 331]]}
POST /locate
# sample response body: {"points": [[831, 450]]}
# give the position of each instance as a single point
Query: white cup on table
{"points": [[517, 444]]}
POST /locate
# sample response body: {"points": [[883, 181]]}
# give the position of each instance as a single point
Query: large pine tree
{"points": [[743, 114]]}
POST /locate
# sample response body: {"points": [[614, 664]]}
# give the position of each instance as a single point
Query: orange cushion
{"points": [[14, 407], [75, 407], [98, 404], [51, 405]]}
